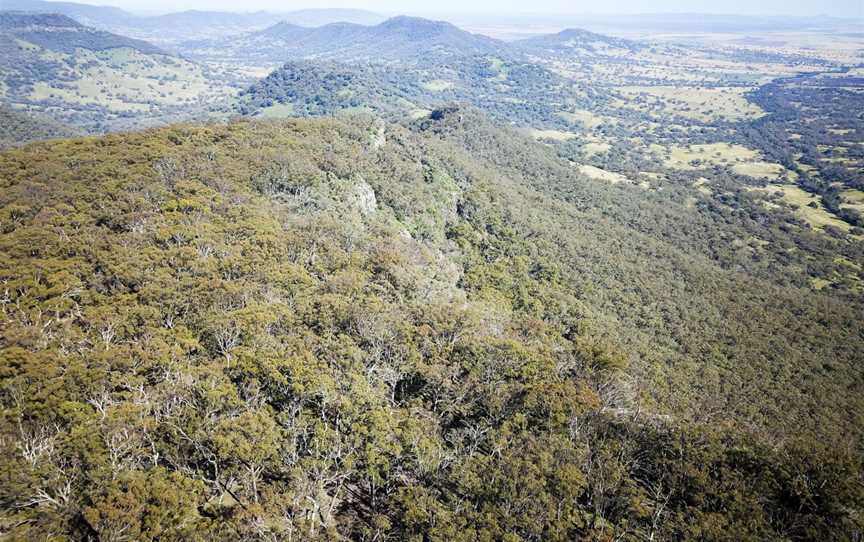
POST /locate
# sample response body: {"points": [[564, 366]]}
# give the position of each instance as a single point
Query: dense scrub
{"points": [[511, 91], [813, 132], [315, 89], [312, 330], [17, 128]]}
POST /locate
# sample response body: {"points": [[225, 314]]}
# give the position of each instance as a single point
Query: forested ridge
{"points": [[345, 329], [17, 128], [60, 33], [401, 38]]}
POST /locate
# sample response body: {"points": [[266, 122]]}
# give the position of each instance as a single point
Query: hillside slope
{"points": [[314, 89], [361, 331], [86, 14], [52, 65], [406, 39], [574, 41], [510, 90], [186, 25], [17, 128], [62, 34]]}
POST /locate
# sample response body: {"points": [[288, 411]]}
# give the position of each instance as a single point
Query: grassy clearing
{"points": [[701, 185], [277, 111], [554, 135], [500, 68], [806, 206], [707, 155], [416, 114], [700, 104], [82, 94], [594, 148], [806, 168], [848, 263], [438, 85], [739, 159], [125, 80], [760, 170], [820, 283], [603, 175], [593, 145], [849, 275], [654, 176], [853, 199], [853, 196], [580, 116]]}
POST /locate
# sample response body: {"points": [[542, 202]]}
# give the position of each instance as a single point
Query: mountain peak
{"points": [[20, 19], [417, 25], [575, 38], [576, 32], [280, 29], [56, 32], [396, 38]]}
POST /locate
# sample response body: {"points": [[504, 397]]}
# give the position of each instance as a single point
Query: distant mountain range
{"points": [[520, 26], [187, 25], [404, 39], [320, 17], [61, 34], [573, 39], [195, 24], [701, 22], [97, 16], [82, 76], [400, 38]]}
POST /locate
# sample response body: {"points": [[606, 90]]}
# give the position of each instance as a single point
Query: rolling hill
{"points": [[320, 17], [512, 91], [578, 42], [405, 39], [62, 34], [54, 65], [185, 25], [303, 88], [102, 17]]}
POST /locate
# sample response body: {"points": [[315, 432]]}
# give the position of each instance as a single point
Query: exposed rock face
{"points": [[360, 196], [379, 137]]}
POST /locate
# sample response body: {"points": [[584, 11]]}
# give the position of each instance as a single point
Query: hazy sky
{"points": [[839, 8]]}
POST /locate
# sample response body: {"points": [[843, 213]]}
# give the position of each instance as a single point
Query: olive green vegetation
{"points": [[339, 329], [95, 80], [17, 128]]}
